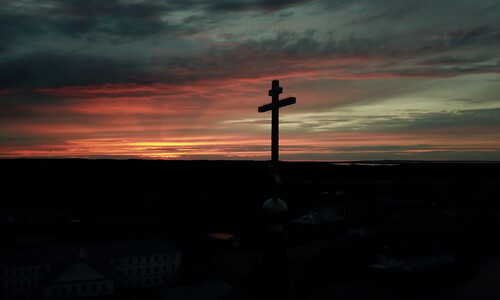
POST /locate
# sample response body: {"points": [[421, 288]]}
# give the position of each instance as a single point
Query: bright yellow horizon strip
{"points": [[204, 143], [163, 144]]}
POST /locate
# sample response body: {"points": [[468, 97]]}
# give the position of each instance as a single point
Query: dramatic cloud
{"points": [[249, 5], [373, 79]]}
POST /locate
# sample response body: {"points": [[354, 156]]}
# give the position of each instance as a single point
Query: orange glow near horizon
{"points": [[233, 147], [216, 120]]}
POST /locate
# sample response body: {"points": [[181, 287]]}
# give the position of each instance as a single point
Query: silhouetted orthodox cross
{"points": [[276, 282], [274, 107]]}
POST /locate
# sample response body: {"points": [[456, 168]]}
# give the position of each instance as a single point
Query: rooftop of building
{"points": [[54, 255]]}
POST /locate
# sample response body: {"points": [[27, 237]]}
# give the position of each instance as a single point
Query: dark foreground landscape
{"points": [[128, 229]]}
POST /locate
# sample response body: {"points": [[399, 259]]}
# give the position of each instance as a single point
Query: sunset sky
{"points": [[374, 79]]}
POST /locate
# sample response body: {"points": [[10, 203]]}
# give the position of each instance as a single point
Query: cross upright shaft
{"points": [[274, 92], [274, 107]]}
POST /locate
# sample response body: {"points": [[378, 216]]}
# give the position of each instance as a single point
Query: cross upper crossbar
{"points": [[281, 103]]}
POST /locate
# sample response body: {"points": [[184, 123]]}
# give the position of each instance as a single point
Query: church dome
{"points": [[274, 206]]}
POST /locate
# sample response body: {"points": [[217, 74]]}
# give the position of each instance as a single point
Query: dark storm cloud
{"points": [[116, 18], [92, 8], [122, 21], [381, 12], [249, 5], [53, 70], [44, 70], [248, 59], [289, 42], [118, 21], [484, 35], [311, 43], [435, 56], [14, 27]]}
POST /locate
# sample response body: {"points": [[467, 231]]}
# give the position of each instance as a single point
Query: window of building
{"points": [[164, 267], [103, 287], [147, 270], [130, 272], [139, 259], [156, 280], [84, 288], [41, 269], [74, 289], [173, 255], [139, 282], [147, 258], [148, 281], [93, 288], [130, 261], [164, 257], [10, 285], [156, 269], [64, 290], [156, 257], [118, 273], [18, 272], [25, 283], [138, 271]]}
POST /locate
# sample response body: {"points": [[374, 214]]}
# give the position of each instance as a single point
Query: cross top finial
{"points": [[275, 88]]}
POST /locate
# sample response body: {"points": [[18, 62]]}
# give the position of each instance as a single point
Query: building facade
{"points": [[69, 272], [146, 269], [80, 278]]}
